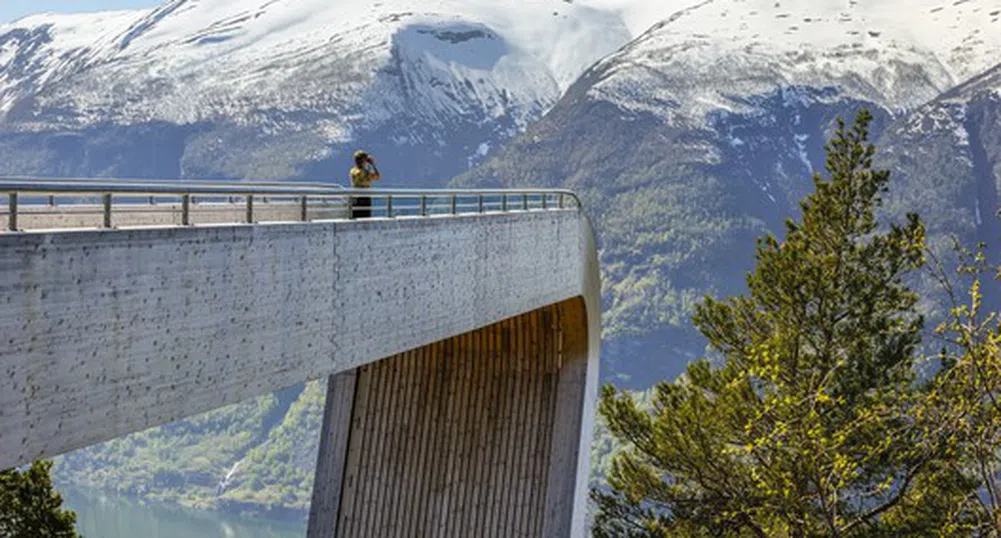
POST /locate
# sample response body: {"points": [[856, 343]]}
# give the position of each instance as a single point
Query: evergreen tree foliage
{"points": [[806, 424], [30, 507], [963, 406]]}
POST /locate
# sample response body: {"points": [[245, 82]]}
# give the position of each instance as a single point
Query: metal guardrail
{"points": [[41, 197]]}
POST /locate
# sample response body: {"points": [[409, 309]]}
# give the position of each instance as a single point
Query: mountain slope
{"points": [[704, 132], [946, 158]]}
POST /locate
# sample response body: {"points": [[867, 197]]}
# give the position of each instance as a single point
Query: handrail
{"points": [[358, 203]]}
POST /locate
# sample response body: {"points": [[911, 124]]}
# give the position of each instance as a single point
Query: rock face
{"points": [[203, 88], [704, 132]]}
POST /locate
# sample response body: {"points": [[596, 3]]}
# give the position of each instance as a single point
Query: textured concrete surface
{"points": [[111, 332]]}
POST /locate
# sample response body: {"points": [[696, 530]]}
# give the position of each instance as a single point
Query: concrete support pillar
{"points": [[478, 436]]}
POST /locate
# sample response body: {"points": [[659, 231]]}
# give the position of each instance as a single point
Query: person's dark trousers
{"points": [[362, 207]]}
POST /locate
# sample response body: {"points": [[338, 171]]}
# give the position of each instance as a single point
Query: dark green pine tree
{"points": [[30, 507], [804, 425]]}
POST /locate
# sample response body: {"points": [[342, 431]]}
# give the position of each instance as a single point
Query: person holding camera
{"points": [[363, 175]]}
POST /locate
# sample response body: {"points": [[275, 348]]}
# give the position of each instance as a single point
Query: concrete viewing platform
{"points": [[459, 331]]}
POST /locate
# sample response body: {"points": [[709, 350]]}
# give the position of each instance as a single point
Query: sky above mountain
{"points": [[14, 9]]}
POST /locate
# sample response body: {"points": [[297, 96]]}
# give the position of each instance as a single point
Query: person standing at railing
{"points": [[363, 175]]}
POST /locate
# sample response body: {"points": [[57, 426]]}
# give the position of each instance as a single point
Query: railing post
{"points": [[12, 214], [424, 205], [186, 210], [107, 210], [455, 206], [524, 202], [389, 206], [304, 209], [250, 209], [504, 202], [545, 201], [560, 200], [480, 201]]}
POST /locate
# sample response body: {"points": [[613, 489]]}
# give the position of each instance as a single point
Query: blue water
{"points": [[102, 515]]}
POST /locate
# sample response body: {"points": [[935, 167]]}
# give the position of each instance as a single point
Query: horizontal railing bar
{"points": [[259, 201], [179, 188], [136, 181]]}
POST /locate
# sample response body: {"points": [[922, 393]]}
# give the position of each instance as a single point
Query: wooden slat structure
{"points": [[459, 438]]}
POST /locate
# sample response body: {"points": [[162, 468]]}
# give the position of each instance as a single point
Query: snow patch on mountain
{"points": [[713, 54], [265, 63]]}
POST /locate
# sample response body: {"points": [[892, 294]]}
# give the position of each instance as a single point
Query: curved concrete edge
{"points": [[591, 287], [570, 470]]}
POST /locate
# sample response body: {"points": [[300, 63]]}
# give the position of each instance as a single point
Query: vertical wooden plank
{"points": [[373, 448], [500, 435], [421, 423], [386, 511], [409, 446], [422, 491], [535, 399], [543, 443], [443, 469], [352, 475], [369, 452], [432, 474], [389, 520], [387, 514], [328, 481], [520, 342], [477, 523], [555, 365], [538, 451], [550, 375], [504, 442], [470, 491], [461, 503], [535, 357], [517, 418], [459, 431], [382, 454], [464, 446], [496, 419]]}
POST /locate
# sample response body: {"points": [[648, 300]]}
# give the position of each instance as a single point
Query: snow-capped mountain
{"points": [[417, 74], [712, 55], [948, 154], [192, 60]]}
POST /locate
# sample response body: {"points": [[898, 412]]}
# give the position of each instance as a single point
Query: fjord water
{"points": [[102, 515]]}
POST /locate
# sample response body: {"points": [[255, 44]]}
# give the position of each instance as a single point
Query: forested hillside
{"points": [[256, 457]]}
